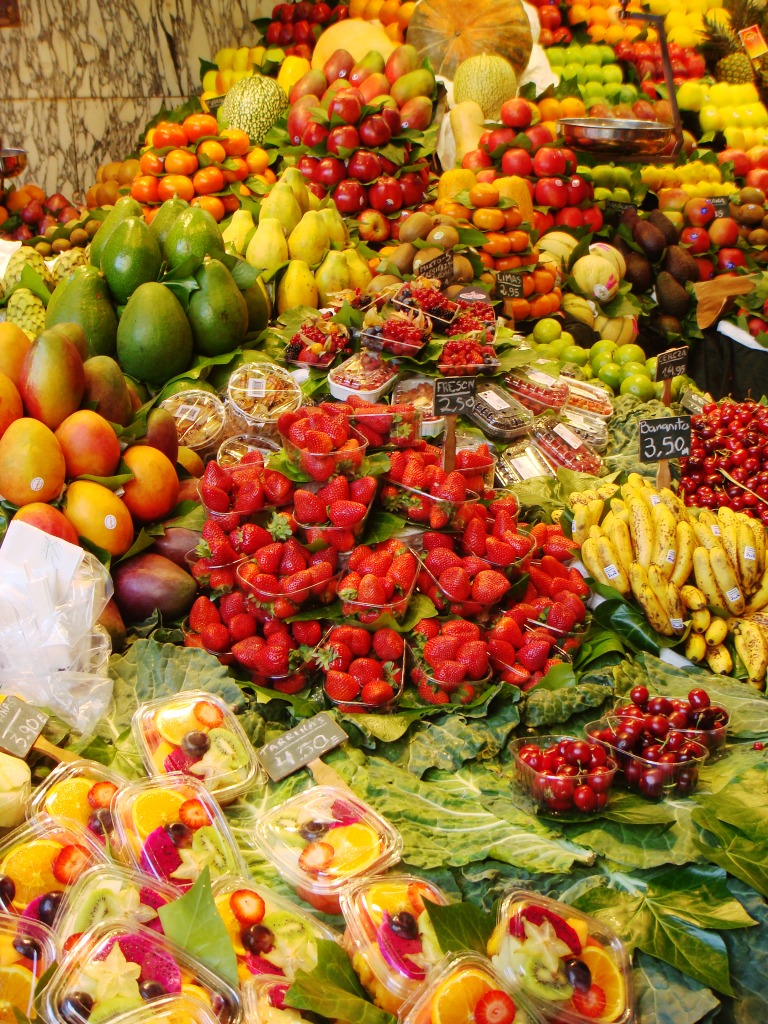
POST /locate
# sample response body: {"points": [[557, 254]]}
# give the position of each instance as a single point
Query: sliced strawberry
{"points": [[100, 795], [70, 863], [247, 906], [495, 1007], [208, 714], [194, 814], [316, 857]]}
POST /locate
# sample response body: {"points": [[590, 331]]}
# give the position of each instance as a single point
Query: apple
{"points": [[706, 268], [740, 160], [757, 178], [343, 136], [499, 137], [346, 107], [592, 218], [696, 238], [758, 156], [67, 214], [723, 232], [548, 162], [364, 165], [350, 196], [56, 202], [373, 86], [48, 221], [307, 164], [23, 233], [413, 188], [386, 195], [699, 212], [374, 131], [579, 189], [672, 199], [299, 116], [551, 192], [391, 116], [33, 211], [320, 14], [316, 189], [539, 136], [475, 159], [329, 171], [286, 34], [569, 217], [387, 166], [373, 226], [314, 135], [517, 161], [730, 259], [542, 221], [643, 111], [516, 113], [302, 31]]}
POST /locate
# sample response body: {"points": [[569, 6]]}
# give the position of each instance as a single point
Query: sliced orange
{"points": [[386, 897], [31, 868], [175, 721], [233, 926], [154, 808], [455, 1000], [69, 799], [606, 973], [356, 847], [17, 988]]}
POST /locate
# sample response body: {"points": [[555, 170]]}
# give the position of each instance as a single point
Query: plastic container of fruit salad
{"points": [[558, 956], [322, 839], [200, 418], [195, 733], [28, 948], [259, 393], [563, 446], [264, 1002], [80, 791], [590, 428], [419, 392], [270, 935], [364, 374], [389, 936], [40, 861], [119, 967], [465, 986], [498, 414], [523, 461], [172, 1009], [170, 827], [112, 892]]}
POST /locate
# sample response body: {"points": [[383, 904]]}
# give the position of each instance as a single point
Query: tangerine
{"points": [[145, 188], [257, 160], [150, 163], [235, 141], [167, 133], [405, 14], [180, 161], [17, 199], [154, 490], [211, 151], [213, 205], [488, 218], [175, 185], [484, 194], [36, 192], [197, 125], [207, 180]]}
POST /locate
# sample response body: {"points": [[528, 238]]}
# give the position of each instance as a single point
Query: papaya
{"points": [[218, 313], [83, 298]]}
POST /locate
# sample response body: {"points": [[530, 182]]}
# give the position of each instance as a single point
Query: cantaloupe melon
{"points": [[596, 278], [488, 80], [356, 36]]}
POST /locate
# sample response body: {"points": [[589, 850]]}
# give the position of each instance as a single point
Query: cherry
{"points": [[639, 695], [698, 698], [7, 890], [757, 745]]}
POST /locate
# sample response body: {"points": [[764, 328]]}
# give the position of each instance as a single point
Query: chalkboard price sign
{"points": [[671, 363], [509, 285], [722, 205], [20, 726], [665, 438], [618, 206], [440, 267], [454, 396], [298, 747]]}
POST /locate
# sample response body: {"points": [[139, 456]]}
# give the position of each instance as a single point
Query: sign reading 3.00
{"points": [[668, 437]]}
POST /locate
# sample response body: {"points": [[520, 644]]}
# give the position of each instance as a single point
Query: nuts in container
{"points": [[200, 418], [261, 392]]}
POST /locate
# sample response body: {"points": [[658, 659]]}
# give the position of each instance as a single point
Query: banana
{"points": [[580, 527], [708, 518], [612, 565], [592, 561], [716, 632], [704, 536], [641, 531], [673, 503], [685, 541], [595, 532], [618, 534], [606, 522], [664, 551], [618, 505], [580, 498], [724, 515], [674, 607], [761, 618], [646, 598], [729, 540], [719, 660], [759, 598], [758, 532], [693, 598], [700, 620], [747, 555], [595, 510], [727, 581], [695, 648], [705, 578], [635, 480], [752, 648], [607, 491]]}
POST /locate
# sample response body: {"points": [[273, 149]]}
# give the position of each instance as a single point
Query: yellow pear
{"points": [[238, 229], [309, 240], [337, 229], [293, 177], [332, 276], [268, 247], [314, 201], [297, 287], [281, 203], [360, 275]]}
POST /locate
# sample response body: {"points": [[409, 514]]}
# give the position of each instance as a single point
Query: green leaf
{"points": [[194, 923], [748, 954], [333, 990], [460, 926], [112, 483], [471, 236], [640, 844], [244, 274], [32, 280], [380, 526], [732, 850], [664, 995], [628, 623], [545, 707]]}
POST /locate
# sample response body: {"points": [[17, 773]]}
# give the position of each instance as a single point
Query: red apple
{"points": [[475, 159], [723, 232], [56, 202], [413, 188], [350, 196], [386, 195], [346, 107], [314, 135], [740, 160], [23, 233], [699, 212], [548, 162], [33, 211], [387, 166], [342, 137], [697, 240], [539, 136], [730, 259], [579, 189], [643, 110], [47, 221], [67, 214], [516, 113], [302, 31], [320, 14], [330, 171], [364, 165], [391, 116], [299, 116], [706, 268], [757, 178], [569, 217], [758, 156], [374, 131], [551, 192], [517, 161], [542, 222], [307, 164], [499, 137], [592, 218], [372, 226], [316, 189], [487, 174]]}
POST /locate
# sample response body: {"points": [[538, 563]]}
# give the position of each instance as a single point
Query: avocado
{"points": [[665, 226], [672, 298], [639, 272], [218, 313], [649, 238], [681, 265]]}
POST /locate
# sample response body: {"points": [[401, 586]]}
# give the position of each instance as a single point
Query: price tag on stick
{"points": [[441, 267], [664, 439], [20, 728], [672, 363], [301, 747], [453, 397]]}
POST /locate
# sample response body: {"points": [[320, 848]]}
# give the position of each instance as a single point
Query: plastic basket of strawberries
{"points": [[286, 577], [449, 661], [385, 426], [477, 464], [418, 488], [279, 656], [322, 443], [231, 495], [467, 356], [363, 672], [379, 580], [467, 586], [334, 515]]}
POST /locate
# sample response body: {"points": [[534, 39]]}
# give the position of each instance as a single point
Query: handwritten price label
{"points": [[454, 396], [672, 363], [20, 726], [665, 438], [297, 747]]}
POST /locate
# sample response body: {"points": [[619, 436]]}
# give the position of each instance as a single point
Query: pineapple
{"points": [[735, 69], [723, 47]]}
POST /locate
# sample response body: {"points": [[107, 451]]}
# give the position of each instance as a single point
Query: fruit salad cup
{"points": [[108, 892], [324, 838], [172, 1009], [40, 861], [571, 966], [264, 1003], [80, 791], [27, 950], [116, 968], [170, 827], [196, 733], [464, 989], [270, 935], [389, 936]]}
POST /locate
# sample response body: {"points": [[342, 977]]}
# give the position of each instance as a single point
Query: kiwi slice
{"points": [[539, 980], [109, 1008], [207, 841], [96, 907], [294, 940], [227, 746]]}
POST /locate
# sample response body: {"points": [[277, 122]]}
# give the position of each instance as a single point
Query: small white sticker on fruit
{"points": [[36, 483], [671, 556], [716, 530], [188, 412], [655, 499], [750, 554], [495, 401], [733, 594], [676, 623], [568, 435], [110, 522], [611, 571], [256, 387]]}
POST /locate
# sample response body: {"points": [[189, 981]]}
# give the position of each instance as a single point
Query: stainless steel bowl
{"points": [[613, 136], [12, 162]]}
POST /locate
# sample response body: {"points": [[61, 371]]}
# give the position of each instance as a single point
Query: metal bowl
{"points": [[12, 162], [611, 135]]}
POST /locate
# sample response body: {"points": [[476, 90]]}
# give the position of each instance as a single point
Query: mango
{"points": [[401, 62], [112, 621], [75, 334], [415, 83], [48, 519], [106, 390], [52, 379], [123, 208], [218, 313], [297, 287], [416, 113], [161, 433], [148, 583], [176, 543], [130, 257], [31, 463], [10, 403], [83, 298], [372, 63], [98, 515], [313, 83]]}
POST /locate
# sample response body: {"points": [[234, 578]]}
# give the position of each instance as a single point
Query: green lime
{"points": [[628, 94], [547, 330], [622, 178], [629, 354], [574, 53], [567, 338], [590, 54], [650, 364], [551, 351], [610, 374], [639, 386], [593, 90], [612, 73], [658, 390], [604, 345], [557, 57], [575, 354], [600, 360], [631, 368], [583, 75], [607, 53], [572, 70], [612, 90]]}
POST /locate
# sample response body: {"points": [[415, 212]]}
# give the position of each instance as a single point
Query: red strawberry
{"points": [[507, 629], [455, 583], [371, 590], [540, 580], [474, 538], [519, 542], [453, 488], [308, 507], [450, 674], [250, 497], [388, 644], [273, 660], [502, 652], [217, 476], [440, 559], [581, 589], [293, 558], [346, 513], [499, 552], [402, 571], [203, 613], [377, 692], [241, 626], [194, 814], [247, 906], [431, 695], [70, 863], [495, 1007], [214, 498], [515, 675], [560, 548], [363, 490], [328, 556], [100, 795], [575, 604], [308, 633], [436, 540], [489, 586], [336, 490], [365, 670], [287, 419], [222, 579], [539, 533], [246, 651], [277, 487], [474, 656], [440, 648], [561, 618], [215, 637], [341, 686], [231, 604], [208, 714], [373, 437], [315, 857], [533, 654], [349, 586], [357, 639], [552, 567], [427, 628], [504, 520], [293, 683], [342, 655], [521, 613], [298, 585], [297, 433], [473, 564], [397, 463]]}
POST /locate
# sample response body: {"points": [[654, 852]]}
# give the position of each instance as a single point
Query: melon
{"points": [[612, 254], [487, 79], [354, 35], [595, 278], [560, 244]]}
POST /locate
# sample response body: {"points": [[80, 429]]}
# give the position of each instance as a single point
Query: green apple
{"points": [[572, 71], [575, 354], [607, 54], [613, 74], [639, 386], [612, 90], [604, 175], [593, 91], [590, 54], [557, 56], [628, 94], [629, 354]]}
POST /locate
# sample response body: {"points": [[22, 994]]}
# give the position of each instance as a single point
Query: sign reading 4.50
{"points": [[668, 437]]}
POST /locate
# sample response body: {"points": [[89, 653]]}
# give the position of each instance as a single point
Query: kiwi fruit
{"points": [[106, 1009], [294, 939], [403, 257], [665, 226], [225, 743], [462, 269], [424, 256], [750, 214], [207, 841], [418, 225], [539, 980], [444, 218], [443, 235], [752, 195], [96, 907], [382, 281]]}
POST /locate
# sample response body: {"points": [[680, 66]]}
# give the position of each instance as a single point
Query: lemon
{"points": [[154, 808], [356, 847], [69, 799]]}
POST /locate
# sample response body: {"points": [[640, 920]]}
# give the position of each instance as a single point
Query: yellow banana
{"points": [[646, 598], [635, 480], [580, 528], [606, 522], [700, 620], [716, 632], [612, 565], [641, 531], [673, 605], [664, 551], [724, 515], [595, 532], [729, 540], [747, 555], [685, 541], [607, 491], [580, 498], [673, 503], [751, 646], [759, 598], [595, 510], [719, 660], [704, 536], [693, 597], [727, 581], [592, 562], [758, 532], [705, 578], [618, 505], [618, 534], [761, 618], [695, 648]]}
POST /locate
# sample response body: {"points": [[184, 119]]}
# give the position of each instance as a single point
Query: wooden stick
{"points": [[324, 775], [50, 750], [449, 445]]}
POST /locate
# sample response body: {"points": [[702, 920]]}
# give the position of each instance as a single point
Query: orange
{"points": [[488, 218], [597, 33], [577, 14], [111, 171], [455, 999], [484, 194], [36, 192], [497, 244], [356, 848], [487, 260], [389, 12], [212, 204], [17, 199], [150, 163], [3, 215], [543, 281], [394, 32], [236, 169], [69, 799], [607, 974], [527, 285], [211, 151], [257, 160], [144, 188], [168, 134], [518, 240], [175, 185], [235, 142], [175, 721], [549, 109], [372, 9], [572, 106], [31, 868], [508, 263], [129, 169], [197, 125], [521, 309], [154, 808], [512, 218], [207, 180], [598, 16], [99, 515], [17, 990], [89, 444], [154, 490], [180, 161], [405, 14], [356, 8]]}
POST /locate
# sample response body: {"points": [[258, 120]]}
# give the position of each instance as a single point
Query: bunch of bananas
{"points": [[588, 508]]}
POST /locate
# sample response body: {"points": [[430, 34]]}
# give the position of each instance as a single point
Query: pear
{"points": [[337, 229], [360, 275], [309, 240], [237, 231], [314, 201], [297, 287], [294, 177], [267, 248], [281, 204], [332, 276]]}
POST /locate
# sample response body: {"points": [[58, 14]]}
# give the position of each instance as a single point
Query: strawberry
{"points": [[203, 613], [388, 645], [346, 513], [215, 637], [473, 564], [581, 589], [342, 655], [341, 686], [465, 693], [336, 490], [297, 433], [371, 590], [357, 639], [427, 628], [499, 552], [365, 670], [377, 692], [241, 626], [436, 540], [272, 660], [413, 474], [553, 568], [217, 476], [540, 534], [219, 547], [455, 583], [440, 648], [319, 467], [250, 497], [503, 653], [315, 857], [561, 618], [519, 543], [575, 604], [215, 499], [194, 814], [560, 548], [449, 674], [439, 516], [363, 490], [70, 863], [533, 654], [286, 419], [508, 629], [327, 557], [373, 437], [308, 507], [246, 651], [100, 795], [293, 683], [489, 586], [231, 604], [298, 585], [222, 579], [397, 463], [515, 675], [540, 580], [504, 520], [453, 488], [349, 586], [277, 487], [208, 714], [293, 558], [495, 1007], [308, 633], [431, 695], [462, 629], [350, 456], [550, 663], [337, 429], [402, 571], [247, 906], [474, 656], [521, 613], [474, 538], [440, 559]]}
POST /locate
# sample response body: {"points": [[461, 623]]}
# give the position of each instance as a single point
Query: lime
{"points": [[650, 364], [574, 54], [559, 344], [556, 55], [604, 176], [566, 338], [604, 345], [629, 354], [607, 54], [630, 368], [600, 361], [612, 90], [594, 90], [638, 385], [590, 54], [547, 330], [583, 76], [593, 72], [612, 74], [572, 70], [610, 374], [575, 354], [551, 351]]}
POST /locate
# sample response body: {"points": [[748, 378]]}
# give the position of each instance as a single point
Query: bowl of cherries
{"points": [[564, 774], [695, 716]]}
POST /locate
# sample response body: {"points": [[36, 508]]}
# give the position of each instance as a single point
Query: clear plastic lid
{"points": [[523, 461], [80, 791], [195, 733], [587, 425], [27, 950], [40, 861], [365, 374], [389, 928], [234, 449], [321, 839], [261, 392], [172, 1009], [589, 398], [498, 414], [536, 389], [116, 968], [109, 892], [562, 959], [417, 391], [264, 1002], [423, 294], [270, 935], [170, 827], [563, 446], [456, 988], [200, 418]]}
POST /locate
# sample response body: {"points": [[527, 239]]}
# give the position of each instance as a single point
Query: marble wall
{"points": [[80, 78]]}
